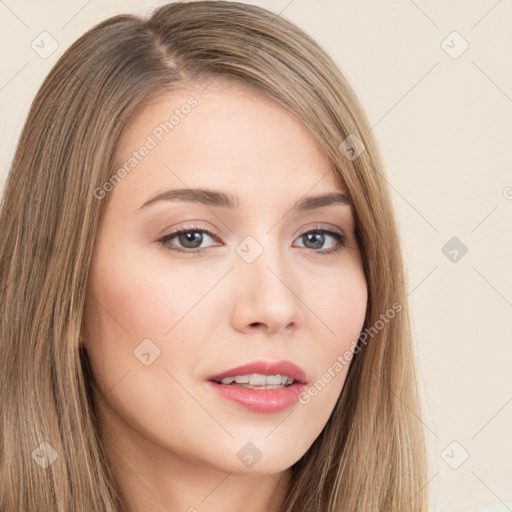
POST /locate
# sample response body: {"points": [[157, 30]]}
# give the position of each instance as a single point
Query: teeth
{"points": [[273, 379], [257, 379]]}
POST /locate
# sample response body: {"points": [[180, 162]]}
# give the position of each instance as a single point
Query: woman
{"points": [[264, 365]]}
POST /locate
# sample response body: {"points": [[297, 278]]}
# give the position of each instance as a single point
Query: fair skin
{"points": [[172, 443]]}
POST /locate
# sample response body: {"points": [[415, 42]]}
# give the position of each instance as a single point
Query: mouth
{"points": [[259, 392], [262, 375], [257, 381], [261, 386]]}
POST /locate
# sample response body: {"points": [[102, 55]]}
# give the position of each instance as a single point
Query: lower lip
{"points": [[260, 400]]}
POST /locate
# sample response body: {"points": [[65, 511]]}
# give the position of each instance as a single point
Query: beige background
{"points": [[444, 127]]}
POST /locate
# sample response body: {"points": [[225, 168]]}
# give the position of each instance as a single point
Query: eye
{"points": [[315, 238], [191, 239]]}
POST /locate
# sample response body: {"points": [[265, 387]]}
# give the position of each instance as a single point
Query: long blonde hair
{"points": [[371, 455]]}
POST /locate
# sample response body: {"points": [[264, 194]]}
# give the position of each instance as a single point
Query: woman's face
{"points": [[262, 281]]}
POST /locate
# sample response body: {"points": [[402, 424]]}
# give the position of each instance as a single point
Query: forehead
{"points": [[225, 136]]}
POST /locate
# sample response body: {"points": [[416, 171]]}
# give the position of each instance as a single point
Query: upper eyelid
{"points": [[213, 232]]}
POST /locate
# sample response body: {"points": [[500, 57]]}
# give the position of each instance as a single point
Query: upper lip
{"points": [[265, 368]]}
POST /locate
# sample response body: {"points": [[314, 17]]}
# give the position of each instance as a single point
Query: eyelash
{"points": [[338, 236]]}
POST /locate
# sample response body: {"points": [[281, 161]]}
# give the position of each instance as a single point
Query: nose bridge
{"points": [[264, 260], [264, 282]]}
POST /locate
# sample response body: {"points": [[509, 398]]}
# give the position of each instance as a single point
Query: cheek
{"points": [[344, 304], [145, 300], [131, 301], [342, 309], [137, 314]]}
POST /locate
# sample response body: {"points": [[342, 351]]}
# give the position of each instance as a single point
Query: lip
{"points": [[265, 368], [261, 400]]}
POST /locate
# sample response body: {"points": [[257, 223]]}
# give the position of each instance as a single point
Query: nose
{"points": [[265, 295]]}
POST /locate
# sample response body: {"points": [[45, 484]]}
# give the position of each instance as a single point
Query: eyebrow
{"points": [[218, 199]]}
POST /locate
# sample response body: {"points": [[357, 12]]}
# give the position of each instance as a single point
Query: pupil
{"points": [[319, 239], [190, 237]]}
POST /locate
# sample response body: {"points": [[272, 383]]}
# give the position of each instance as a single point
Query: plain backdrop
{"points": [[435, 80]]}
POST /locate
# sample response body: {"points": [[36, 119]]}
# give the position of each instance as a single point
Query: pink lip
{"points": [[262, 400], [265, 368]]}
